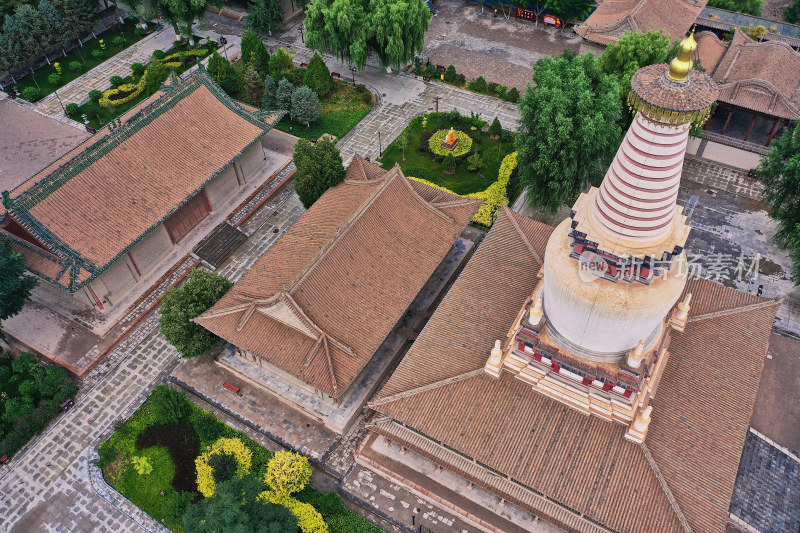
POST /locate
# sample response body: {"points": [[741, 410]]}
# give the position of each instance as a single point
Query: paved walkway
{"points": [[120, 65], [46, 487]]}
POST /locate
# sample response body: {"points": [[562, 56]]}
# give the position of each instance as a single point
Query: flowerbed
{"points": [[146, 435], [469, 177], [494, 196], [438, 139]]}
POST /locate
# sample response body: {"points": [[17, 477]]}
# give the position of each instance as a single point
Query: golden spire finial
{"points": [[680, 66]]}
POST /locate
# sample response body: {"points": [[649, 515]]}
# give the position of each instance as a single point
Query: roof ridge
{"points": [[426, 388], [735, 310], [522, 235], [667, 492], [428, 205]]}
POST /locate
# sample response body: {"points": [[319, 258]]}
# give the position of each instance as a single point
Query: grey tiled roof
{"points": [[767, 491]]}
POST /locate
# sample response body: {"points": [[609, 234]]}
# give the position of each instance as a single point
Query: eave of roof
{"points": [[441, 390], [26, 197], [357, 246]]}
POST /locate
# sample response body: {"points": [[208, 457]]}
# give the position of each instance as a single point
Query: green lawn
{"points": [[84, 55], [145, 490], [99, 116], [423, 164], [341, 111]]}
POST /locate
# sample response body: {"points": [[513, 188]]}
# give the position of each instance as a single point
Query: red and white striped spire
{"points": [[637, 199]]}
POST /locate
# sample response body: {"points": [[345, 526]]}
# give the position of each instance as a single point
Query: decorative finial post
{"points": [[681, 314], [680, 66], [536, 312], [495, 363], [636, 355]]}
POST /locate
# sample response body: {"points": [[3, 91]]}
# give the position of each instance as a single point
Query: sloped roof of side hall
{"points": [[322, 300], [614, 18], [681, 478], [760, 76], [97, 201]]}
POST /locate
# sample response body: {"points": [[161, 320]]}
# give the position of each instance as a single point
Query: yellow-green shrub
{"points": [[494, 196], [287, 472], [308, 519], [205, 474], [437, 140]]}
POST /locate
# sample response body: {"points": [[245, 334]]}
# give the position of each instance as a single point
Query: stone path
{"points": [[120, 65], [47, 487]]}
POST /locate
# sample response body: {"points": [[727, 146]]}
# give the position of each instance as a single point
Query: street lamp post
{"points": [[302, 36], [380, 145], [60, 102], [353, 70], [224, 42]]}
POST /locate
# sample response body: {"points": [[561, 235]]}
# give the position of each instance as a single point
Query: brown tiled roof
{"points": [[762, 76], [614, 18], [710, 50], [330, 291], [701, 411], [102, 197]]}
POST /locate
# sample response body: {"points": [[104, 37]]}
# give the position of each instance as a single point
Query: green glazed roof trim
{"points": [[38, 192]]}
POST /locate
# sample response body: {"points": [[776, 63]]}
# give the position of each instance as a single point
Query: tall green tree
{"points": [[254, 86], [792, 12], [268, 101], [351, 29], [53, 25], [283, 96], [305, 106], [399, 30], [182, 304], [569, 10], [749, 7], [81, 15], [319, 167], [280, 61], [318, 77], [568, 129], [235, 507], [15, 285], [779, 171], [183, 13], [634, 51], [23, 38], [218, 67], [263, 16], [255, 53], [145, 10]]}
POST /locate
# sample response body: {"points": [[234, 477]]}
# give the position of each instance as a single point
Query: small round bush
{"points": [[449, 163], [116, 81], [31, 94], [55, 79], [137, 68], [95, 95], [75, 66], [118, 41], [72, 109], [158, 54], [138, 31], [98, 54], [512, 95]]}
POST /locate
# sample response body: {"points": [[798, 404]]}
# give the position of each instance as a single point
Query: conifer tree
{"points": [[305, 106], [283, 96], [23, 38], [280, 62], [255, 53], [318, 77], [218, 67], [319, 167], [80, 15], [53, 25], [495, 129], [254, 86], [269, 101]]}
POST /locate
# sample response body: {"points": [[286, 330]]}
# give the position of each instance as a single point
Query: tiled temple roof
{"points": [[614, 18], [97, 201], [701, 411], [322, 300], [761, 76]]}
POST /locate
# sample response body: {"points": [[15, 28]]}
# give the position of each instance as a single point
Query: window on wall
{"points": [[187, 217]]}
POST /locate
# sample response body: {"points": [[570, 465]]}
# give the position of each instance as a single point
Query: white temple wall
{"points": [[251, 161], [222, 187], [150, 250]]}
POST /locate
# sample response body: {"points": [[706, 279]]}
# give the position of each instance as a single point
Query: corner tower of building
{"points": [[597, 323]]}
